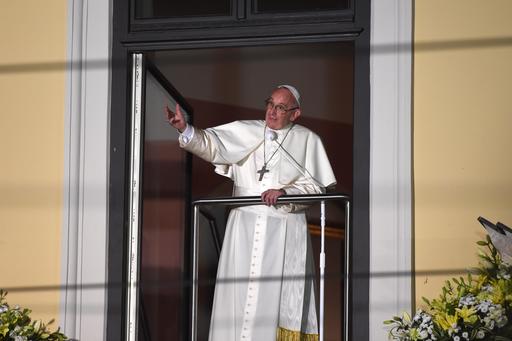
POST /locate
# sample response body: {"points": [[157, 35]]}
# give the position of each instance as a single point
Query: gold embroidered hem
{"points": [[284, 334]]}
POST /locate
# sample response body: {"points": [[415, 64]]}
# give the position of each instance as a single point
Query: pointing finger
{"points": [[169, 113], [178, 111]]}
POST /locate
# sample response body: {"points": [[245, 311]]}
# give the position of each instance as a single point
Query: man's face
{"points": [[281, 98]]}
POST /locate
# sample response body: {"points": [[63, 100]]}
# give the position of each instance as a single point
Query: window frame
{"points": [[128, 39], [243, 15]]}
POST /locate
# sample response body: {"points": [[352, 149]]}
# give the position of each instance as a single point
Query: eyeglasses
{"points": [[280, 108]]}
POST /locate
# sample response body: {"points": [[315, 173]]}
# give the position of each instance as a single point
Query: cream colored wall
{"points": [[462, 131], [32, 90]]}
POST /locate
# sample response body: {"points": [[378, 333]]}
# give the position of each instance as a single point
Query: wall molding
{"points": [[85, 197], [390, 162]]}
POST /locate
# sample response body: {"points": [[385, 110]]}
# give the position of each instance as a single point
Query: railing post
{"points": [[347, 270], [322, 268], [195, 252]]}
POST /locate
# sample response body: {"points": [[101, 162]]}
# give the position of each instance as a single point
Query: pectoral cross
{"points": [[262, 171]]}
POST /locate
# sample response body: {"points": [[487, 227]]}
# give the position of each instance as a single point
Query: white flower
{"points": [[453, 329], [490, 324], [468, 300], [423, 334], [488, 288], [484, 306], [456, 338], [480, 334]]}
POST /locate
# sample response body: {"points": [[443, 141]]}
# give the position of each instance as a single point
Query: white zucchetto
{"points": [[293, 90]]}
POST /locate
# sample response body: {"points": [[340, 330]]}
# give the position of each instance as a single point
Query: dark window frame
{"points": [[129, 38], [243, 14]]}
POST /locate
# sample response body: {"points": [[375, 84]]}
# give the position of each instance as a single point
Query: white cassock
{"points": [[264, 288]]}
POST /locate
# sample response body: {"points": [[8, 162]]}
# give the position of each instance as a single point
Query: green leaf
{"points": [[37, 326], [19, 318]]}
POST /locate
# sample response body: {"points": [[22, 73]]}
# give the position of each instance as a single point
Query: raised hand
{"points": [[176, 119]]}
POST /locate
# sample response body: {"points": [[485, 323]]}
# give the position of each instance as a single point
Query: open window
{"points": [[221, 85]]}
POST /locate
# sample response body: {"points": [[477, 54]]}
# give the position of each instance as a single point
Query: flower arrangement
{"points": [[475, 307], [16, 325]]}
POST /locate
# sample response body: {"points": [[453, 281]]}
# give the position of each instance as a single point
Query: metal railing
{"points": [[256, 200]]}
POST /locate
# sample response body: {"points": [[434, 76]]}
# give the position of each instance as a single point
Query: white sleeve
{"points": [[300, 186], [303, 186], [187, 134]]}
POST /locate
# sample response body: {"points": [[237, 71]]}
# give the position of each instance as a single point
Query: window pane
{"points": [[163, 234], [146, 9], [263, 6]]}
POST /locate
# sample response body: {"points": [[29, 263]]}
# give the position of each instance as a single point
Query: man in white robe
{"points": [[264, 288]]}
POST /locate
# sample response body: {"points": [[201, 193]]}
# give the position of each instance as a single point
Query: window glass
{"points": [[163, 233], [147, 9], [262, 6]]}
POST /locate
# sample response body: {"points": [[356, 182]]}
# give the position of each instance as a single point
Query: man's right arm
{"points": [[200, 143], [193, 140]]}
